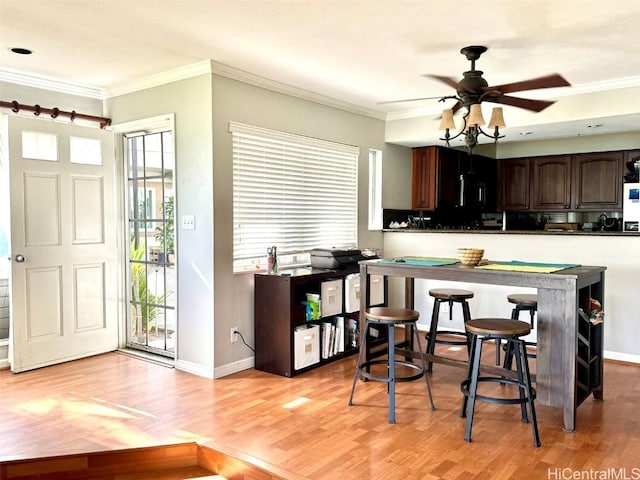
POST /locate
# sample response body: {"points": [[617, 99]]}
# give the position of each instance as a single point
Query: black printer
{"points": [[336, 259]]}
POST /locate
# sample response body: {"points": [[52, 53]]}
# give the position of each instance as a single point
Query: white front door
{"points": [[63, 243]]}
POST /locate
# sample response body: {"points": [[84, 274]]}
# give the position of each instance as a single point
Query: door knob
{"points": [[20, 258]]}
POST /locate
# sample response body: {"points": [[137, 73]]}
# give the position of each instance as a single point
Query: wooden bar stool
{"points": [[524, 302], [511, 331], [451, 296], [391, 317]]}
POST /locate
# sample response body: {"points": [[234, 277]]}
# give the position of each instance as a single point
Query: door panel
{"points": [[41, 212], [88, 210], [64, 294]]}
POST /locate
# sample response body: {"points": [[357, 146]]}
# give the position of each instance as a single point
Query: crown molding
{"points": [[163, 78], [268, 84], [212, 67], [46, 83]]}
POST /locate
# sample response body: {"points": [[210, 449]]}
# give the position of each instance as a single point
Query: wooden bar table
{"points": [[569, 364]]}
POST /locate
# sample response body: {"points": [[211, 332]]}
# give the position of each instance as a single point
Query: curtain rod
{"points": [[54, 112]]}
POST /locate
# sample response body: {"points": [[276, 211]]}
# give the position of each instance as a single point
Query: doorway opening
{"points": [[150, 172]]}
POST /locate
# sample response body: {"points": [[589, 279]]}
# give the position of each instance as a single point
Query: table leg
{"points": [[556, 351]]}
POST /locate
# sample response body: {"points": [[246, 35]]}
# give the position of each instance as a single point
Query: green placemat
{"points": [[420, 261], [535, 267]]}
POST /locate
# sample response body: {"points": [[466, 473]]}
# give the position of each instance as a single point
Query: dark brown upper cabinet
{"points": [[434, 178], [580, 182], [597, 181], [513, 184], [551, 183]]}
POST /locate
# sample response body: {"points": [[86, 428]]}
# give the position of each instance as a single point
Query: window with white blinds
{"points": [[292, 192]]}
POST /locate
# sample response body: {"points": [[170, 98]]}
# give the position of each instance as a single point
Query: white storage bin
{"points": [[352, 291], [376, 290], [331, 297], [306, 346]]}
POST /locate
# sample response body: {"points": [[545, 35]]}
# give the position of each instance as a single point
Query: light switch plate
{"points": [[188, 222]]}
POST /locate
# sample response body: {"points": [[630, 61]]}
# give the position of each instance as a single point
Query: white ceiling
{"points": [[355, 52]]}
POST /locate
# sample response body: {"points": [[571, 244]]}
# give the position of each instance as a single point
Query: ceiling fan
{"points": [[473, 88]]}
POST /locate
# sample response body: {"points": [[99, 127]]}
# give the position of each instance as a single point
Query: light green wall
{"points": [[190, 101], [239, 102]]}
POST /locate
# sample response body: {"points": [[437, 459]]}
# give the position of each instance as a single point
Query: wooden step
{"points": [[186, 461]]}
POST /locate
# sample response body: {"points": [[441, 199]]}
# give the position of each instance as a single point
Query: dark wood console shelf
{"points": [[279, 310]]}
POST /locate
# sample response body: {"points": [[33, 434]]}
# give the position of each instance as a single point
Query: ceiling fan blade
{"points": [[456, 107], [409, 100], [526, 103], [548, 81], [452, 82]]}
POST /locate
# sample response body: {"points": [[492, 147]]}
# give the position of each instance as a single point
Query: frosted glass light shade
{"points": [[447, 120], [497, 120], [475, 115]]}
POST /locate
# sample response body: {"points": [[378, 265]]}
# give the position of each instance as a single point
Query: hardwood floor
{"points": [[304, 425]]}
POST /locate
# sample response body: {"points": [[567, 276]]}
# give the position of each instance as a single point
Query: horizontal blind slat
{"points": [[291, 191]]}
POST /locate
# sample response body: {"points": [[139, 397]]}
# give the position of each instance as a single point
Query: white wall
{"points": [[620, 254]]}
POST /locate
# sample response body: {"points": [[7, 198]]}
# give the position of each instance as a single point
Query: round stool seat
{"points": [[451, 293], [392, 314], [497, 327], [523, 299]]}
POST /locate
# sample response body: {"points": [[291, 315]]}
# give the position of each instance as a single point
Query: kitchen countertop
{"points": [[518, 232]]}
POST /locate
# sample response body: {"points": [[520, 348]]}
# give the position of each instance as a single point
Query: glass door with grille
{"points": [[151, 318]]}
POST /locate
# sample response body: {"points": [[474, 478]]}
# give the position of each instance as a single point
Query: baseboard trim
{"points": [[234, 367], [194, 368], [621, 357]]}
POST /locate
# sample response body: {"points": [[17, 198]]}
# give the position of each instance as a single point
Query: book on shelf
{"points": [[339, 342], [353, 334], [326, 335]]}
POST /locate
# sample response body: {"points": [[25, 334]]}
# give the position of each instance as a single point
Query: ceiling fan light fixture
{"points": [[475, 116], [497, 119], [446, 122], [473, 89]]}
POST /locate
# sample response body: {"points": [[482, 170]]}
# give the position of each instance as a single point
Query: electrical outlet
{"points": [[234, 334], [444, 307]]}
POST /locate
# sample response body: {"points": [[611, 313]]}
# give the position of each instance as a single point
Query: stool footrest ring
{"points": [[382, 378], [464, 388]]}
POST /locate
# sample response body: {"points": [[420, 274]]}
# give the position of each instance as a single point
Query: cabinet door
{"points": [[597, 181], [551, 183], [513, 184], [423, 191]]}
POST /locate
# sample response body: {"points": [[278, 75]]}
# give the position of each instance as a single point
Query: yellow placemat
{"points": [[517, 266]]}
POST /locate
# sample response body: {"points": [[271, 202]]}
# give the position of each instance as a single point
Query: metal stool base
{"points": [[391, 378]]}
